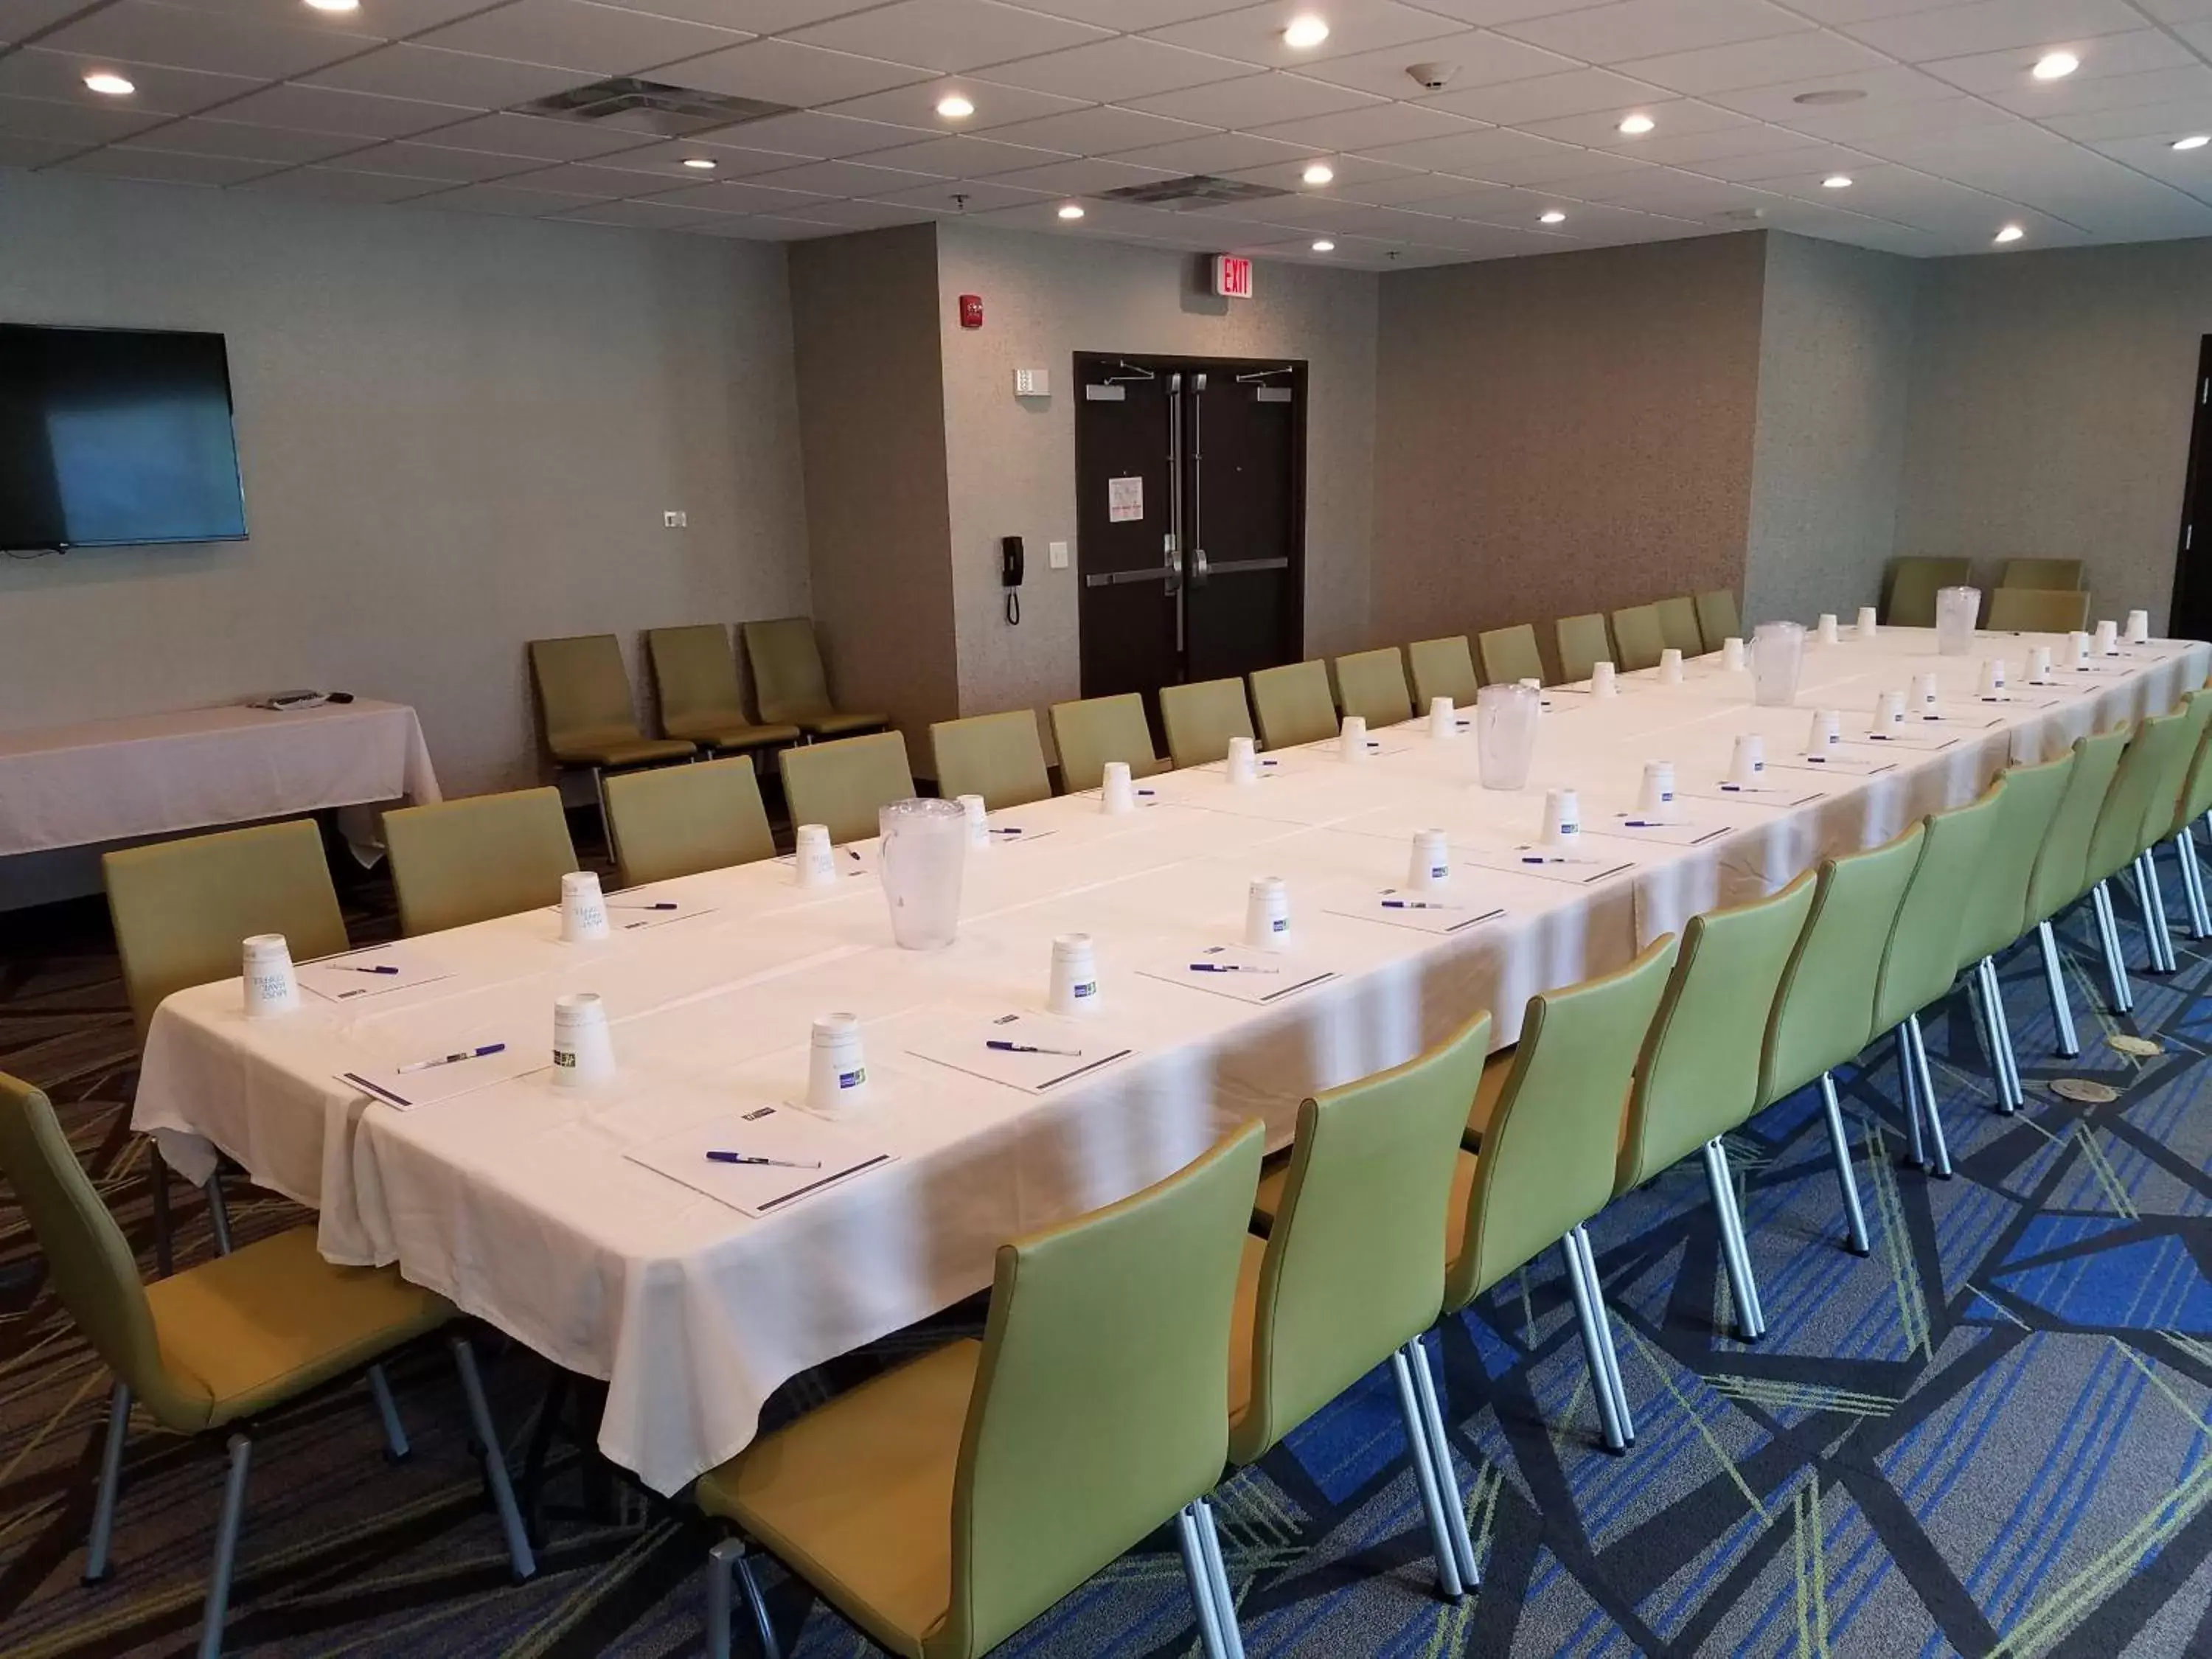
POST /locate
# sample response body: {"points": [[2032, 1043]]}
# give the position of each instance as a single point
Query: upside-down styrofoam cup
{"points": [[1243, 762], [583, 908], [1429, 863], [272, 986], [583, 1048], [1267, 914], [813, 860], [1747, 764], [1563, 818], [1602, 679], [1867, 628], [1073, 988], [1116, 793], [1655, 803], [836, 1070]]}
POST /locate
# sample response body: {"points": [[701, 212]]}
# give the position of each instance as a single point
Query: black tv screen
{"points": [[115, 437]]}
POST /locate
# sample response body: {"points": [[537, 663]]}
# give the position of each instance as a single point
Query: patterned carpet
{"points": [[1990, 1437]]}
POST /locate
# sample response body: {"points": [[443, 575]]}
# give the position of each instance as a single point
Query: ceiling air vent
{"points": [[1197, 190], [652, 107]]}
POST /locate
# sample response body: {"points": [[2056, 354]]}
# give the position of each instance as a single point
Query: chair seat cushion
{"points": [[731, 733], [856, 1496], [620, 749], [831, 723], [272, 1320], [1243, 1317]]}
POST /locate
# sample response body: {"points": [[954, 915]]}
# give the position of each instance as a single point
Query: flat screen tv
{"points": [[115, 437]]}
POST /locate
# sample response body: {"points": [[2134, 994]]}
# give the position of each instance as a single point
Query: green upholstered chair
{"points": [[1823, 1010], [1583, 643], [2138, 810], [1441, 668], [220, 1345], [789, 685], [943, 1505], [1372, 685], [1510, 655], [2037, 611], [2041, 573], [1913, 585], [1698, 1076], [1678, 626], [1350, 1275], [2061, 865], [842, 785], [1201, 719], [2167, 820], [1995, 908], [1920, 961], [583, 697], [695, 680], [1294, 704], [482, 856], [679, 820], [1097, 730], [1718, 620], [998, 756], [1637, 633], [2195, 800]]}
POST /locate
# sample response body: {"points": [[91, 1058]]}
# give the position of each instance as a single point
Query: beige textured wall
{"points": [[1564, 433]]}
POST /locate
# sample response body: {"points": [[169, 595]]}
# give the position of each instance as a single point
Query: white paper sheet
{"points": [[1443, 910], [1684, 831], [1240, 973], [358, 974], [1776, 792], [831, 1156], [1581, 869], [1081, 1045], [406, 1085]]}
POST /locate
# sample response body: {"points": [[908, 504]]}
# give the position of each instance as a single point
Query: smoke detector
{"points": [[1433, 78]]}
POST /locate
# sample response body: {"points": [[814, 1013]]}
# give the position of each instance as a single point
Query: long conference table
{"points": [[589, 1224]]}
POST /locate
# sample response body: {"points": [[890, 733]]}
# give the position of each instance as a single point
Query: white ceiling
{"points": [[401, 100]]}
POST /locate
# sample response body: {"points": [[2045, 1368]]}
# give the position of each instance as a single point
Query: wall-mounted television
{"points": [[113, 437]]}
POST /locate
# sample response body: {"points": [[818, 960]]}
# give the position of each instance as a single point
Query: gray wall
{"points": [[1835, 367]]}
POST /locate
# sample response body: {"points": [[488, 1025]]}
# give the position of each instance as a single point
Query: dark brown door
{"points": [[2192, 565]]}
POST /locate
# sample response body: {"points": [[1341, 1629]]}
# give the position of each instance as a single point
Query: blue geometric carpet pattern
{"points": [[1992, 1437]]}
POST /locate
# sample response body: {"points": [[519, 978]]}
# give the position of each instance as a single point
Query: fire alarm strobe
{"points": [[971, 311]]}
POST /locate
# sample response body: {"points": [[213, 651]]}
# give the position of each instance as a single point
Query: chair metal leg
{"points": [[395, 1434], [1593, 1355], [1605, 1335], [157, 1184], [1224, 1599], [1919, 1045], [494, 1461], [1424, 1385], [2061, 1012], [762, 1626], [1201, 1575], [2192, 881], [2006, 1052], [1449, 1584], [111, 1479], [218, 1213], [1909, 1087], [2158, 931], [720, 1563], [225, 1549], [2108, 933], [1839, 1144], [1735, 1253]]}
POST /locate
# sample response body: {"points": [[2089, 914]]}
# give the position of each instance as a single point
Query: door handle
{"points": [[1172, 566], [1198, 569]]}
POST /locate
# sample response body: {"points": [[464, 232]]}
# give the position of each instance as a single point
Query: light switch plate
{"points": [[675, 520], [1032, 383], [1056, 555]]}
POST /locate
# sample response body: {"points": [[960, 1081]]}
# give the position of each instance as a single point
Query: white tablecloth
{"points": [[517, 1200], [154, 774]]}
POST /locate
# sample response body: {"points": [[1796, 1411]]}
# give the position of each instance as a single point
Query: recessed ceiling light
{"points": [[1324, 245], [109, 84], [1836, 181], [1319, 172], [335, 5], [2010, 233], [1636, 125], [953, 107], [2055, 66], [1070, 210], [2195, 141], [1822, 96], [1551, 217], [1304, 33], [699, 163]]}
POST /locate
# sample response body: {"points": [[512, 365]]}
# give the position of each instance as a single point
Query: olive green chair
{"points": [[1510, 655], [2166, 820], [1441, 668], [467, 861], [1996, 910], [842, 785], [2037, 611], [1097, 730], [2061, 865], [1718, 620], [2138, 811], [679, 820], [1678, 626], [998, 756], [1636, 632], [583, 698], [222, 1344], [1921, 962], [2196, 801], [1351, 1275], [2042, 573], [1294, 704], [1698, 1076], [1372, 685], [1201, 719], [789, 685], [1823, 1013], [1583, 643], [1913, 585], [694, 680], [943, 1505]]}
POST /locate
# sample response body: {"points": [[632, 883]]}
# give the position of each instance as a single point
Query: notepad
{"points": [[855, 861], [1910, 737], [1239, 972], [1773, 793], [360, 974], [832, 1155], [629, 911], [1686, 832], [1581, 868], [404, 1090], [1854, 766], [1080, 1048], [1431, 910]]}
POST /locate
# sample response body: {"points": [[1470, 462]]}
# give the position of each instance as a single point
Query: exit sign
{"points": [[1232, 277]]}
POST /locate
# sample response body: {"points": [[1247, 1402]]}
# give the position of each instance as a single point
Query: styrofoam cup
{"points": [[1827, 631], [2138, 628], [1922, 700], [1243, 760], [583, 908], [1429, 864], [1074, 985], [272, 986], [1602, 680], [979, 819], [1670, 666], [1867, 628], [836, 1070], [2108, 639], [1748, 763], [2077, 649], [1655, 804], [1351, 737], [1116, 793], [1267, 914], [1732, 657], [1563, 818], [1889, 714], [813, 860], [583, 1048], [1443, 718], [2039, 664], [1993, 679]]}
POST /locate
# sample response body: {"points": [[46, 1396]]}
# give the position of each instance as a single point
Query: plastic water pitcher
{"points": [[1505, 718], [925, 849], [1957, 609], [1777, 657]]}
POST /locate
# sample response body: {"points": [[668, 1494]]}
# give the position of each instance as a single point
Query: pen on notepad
{"points": [[1229, 968], [773, 1163], [853, 855], [347, 968], [1416, 904], [453, 1060], [1006, 1048], [1641, 823], [665, 904], [1010, 829]]}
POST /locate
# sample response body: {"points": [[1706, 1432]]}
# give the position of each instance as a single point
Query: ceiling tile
{"points": [[1476, 57], [843, 178], [445, 77], [342, 185], [2102, 57], [1560, 163], [1133, 14], [1220, 152], [600, 184], [414, 159], [760, 227], [666, 160], [165, 166], [1349, 170], [1100, 130], [1642, 29], [74, 124], [2176, 11], [785, 72], [2147, 90], [2187, 170], [246, 142], [996, 105], [1118, 71], [981, 195], [21, 18], [1754, 63], [814, 134], [1254, 101], [742, 195], [1253, 34], [1992, 26], [1883, 88], [635, 215], [529, 135], [1750, 169], [508, 200], [962, 157], [1697, 149], [1546, 97], [1368, 128], [147, 32], [1466, 152], [35, 72], [1083, 175], [2164, 122], [950, 35], [1677, 118], [1855, 123], [872, 215], [577, 34], [384, 20], [19, 152], [1403, 186], [756, 16]]}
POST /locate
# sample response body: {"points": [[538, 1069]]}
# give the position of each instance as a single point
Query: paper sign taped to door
{"points": [[1125, 500]]}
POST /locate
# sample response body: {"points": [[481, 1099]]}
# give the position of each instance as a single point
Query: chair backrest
{"points": [[1294, 704], [2164, 818], [1097, 730], [1100, 1407], [2060, 872], [1352, 1270], [182, 908], [788, 684], [1583, 643], [1510, 655], [2139, 807], [1441, 668], [1718, 620], [472, 859], [2037, 610], [1372, 685], [2042, 573], [1636, 632], [1201, 719], [1997, 900], [583, 692], [671, 821], [996, 757], [1678, 625], [1913, 585], [1823, 1012], [2196, 788], [842, 784], [1922, 958], [695, 677], [1698, 1076], [1549, 1150]]}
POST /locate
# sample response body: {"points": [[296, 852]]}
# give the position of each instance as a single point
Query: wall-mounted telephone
{"points": [[1010, 575]]}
